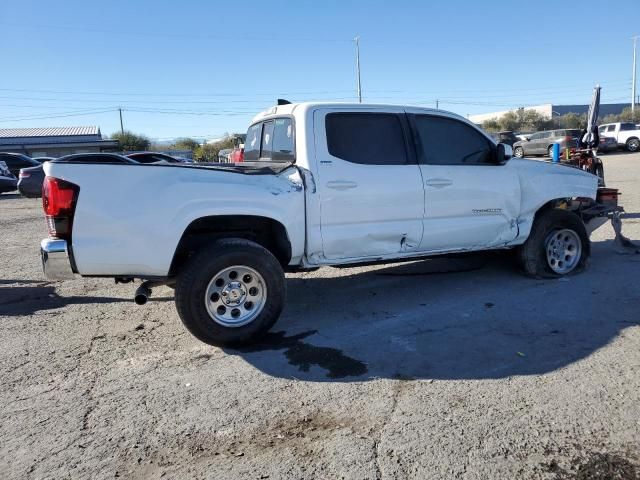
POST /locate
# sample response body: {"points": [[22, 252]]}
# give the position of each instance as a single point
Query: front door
{"points": [[471, 202], [370, 187]]}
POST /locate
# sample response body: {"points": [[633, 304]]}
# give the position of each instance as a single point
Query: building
{"points": [[54, 141], [548, 110]]}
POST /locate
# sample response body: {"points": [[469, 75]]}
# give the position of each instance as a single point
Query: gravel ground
{"points": [[434, 369]]}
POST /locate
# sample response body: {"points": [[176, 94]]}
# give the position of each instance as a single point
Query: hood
{"points": [[546, 167]]}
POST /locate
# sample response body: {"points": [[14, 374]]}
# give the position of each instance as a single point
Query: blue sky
{"points": [[201, 68]]}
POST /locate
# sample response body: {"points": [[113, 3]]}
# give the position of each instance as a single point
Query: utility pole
{"points": [[358, 85], [121, 126], [437, 104], [633, 81]]}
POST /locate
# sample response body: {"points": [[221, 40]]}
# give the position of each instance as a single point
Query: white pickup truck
{"points": [[321, 184], [627, 134]]}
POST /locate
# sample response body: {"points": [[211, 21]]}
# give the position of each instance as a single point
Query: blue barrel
{"points": [[555, 153]]}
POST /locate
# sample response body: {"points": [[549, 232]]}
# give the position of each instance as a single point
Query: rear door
{"points": [[470, 201], [370, 186], [532, 146]]}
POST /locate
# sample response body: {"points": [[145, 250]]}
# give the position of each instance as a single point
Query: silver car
{"points": [[541, 143]]}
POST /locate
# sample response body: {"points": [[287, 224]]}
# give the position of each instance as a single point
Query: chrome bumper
{"points": [[55, 259]]}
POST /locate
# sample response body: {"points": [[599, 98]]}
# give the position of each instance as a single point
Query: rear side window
{"points": [[267, 140], [252, 143], [627, 126], [611, 128], [446, 141], [366, 138], [283, 147], [271, 140]]}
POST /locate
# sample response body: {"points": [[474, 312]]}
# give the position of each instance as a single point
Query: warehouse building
{"points": [[54, 141], [549, 110]]}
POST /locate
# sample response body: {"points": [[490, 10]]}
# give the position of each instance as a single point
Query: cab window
{"points": [[447, 141]]}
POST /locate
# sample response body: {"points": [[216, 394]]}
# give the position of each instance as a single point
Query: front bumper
{"points": [[56, 263]]}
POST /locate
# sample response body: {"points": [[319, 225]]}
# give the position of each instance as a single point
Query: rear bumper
{"points": [[56, 263]]}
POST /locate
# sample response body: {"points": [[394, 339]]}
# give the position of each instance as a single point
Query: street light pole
{"points": [[358, 85], [633, 81], [121, 125]]}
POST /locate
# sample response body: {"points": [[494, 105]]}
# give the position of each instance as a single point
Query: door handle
{"points": [[341, 184], [438, 182]]}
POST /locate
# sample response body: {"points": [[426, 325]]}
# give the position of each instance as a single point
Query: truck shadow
{"points": [[408, 321], [25, 300]]}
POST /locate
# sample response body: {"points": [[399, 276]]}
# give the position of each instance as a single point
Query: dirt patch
{"points": [[596, 466]]}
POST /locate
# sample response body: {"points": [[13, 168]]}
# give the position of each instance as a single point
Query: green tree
{"points": [[131, 142], [209, 151], [624, 116], [186, 144], [491, 125], [572, 120]]}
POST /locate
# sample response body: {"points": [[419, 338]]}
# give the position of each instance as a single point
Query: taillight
{"points": [[608, 196], [24, 174], [59, 199]]}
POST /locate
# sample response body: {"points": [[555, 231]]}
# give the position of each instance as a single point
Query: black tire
{"points": [[633, 144], [198, 272], [550, 151], [518, 152], [532, 255]]}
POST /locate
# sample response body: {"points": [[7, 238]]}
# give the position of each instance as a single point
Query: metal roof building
{"points": [[54, 141]]}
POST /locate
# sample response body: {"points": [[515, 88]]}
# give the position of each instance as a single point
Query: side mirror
{"points": [[503, 153]]}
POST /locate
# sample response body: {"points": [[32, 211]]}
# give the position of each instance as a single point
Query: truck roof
{"points": [[289, 109]]}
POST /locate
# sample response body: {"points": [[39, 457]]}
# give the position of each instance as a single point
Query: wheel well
{"points": [[631, 138], [267, 232], [567, 204]]}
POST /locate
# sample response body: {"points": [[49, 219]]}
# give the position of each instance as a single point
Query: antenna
{"points": [[358, 84]]}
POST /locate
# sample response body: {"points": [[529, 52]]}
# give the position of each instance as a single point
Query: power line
{"points": [[318, 92], [46, 117]]}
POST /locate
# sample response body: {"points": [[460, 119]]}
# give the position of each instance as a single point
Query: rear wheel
{"points": [[230, 293], [558, 245], [633, 144], [518, 152], [550, 151]]}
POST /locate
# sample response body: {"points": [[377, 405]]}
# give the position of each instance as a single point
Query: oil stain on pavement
{"points": [[303, 355]]}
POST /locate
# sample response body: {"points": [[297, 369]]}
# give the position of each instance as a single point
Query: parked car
{"points": [[224, 155], [237, 153], [7, 184], [30, 179], [523, 136], [607, 144], [541, 143], [507, 137], [16, 161], [7, 180], [152, 157], [627, 134], [351, 189]]}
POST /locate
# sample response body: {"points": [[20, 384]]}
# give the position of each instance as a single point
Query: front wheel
{"points": [[230, 293], [633, 144], [550, 151], [518, 152], [558, 245]]}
